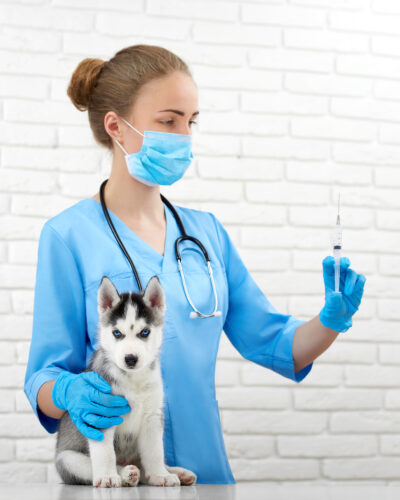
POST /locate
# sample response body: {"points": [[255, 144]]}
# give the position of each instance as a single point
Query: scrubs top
{"points": [[77, 248]]}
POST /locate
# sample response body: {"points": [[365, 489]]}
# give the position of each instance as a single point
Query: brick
{"points": [[290, 60], [337, 399], [7, 353], [255, 398], [273, 422], [361, 422], [221, 11], [238, 446], [372, 376], [392, 399], [389, 354], [332, 85], [35, 450], [325, 40], [326, 446], [363, 22], [390, 444], [274, 469], [283, 15], [136, 24], [362, 468], [235, 34], [333, 128], [12, 473]]}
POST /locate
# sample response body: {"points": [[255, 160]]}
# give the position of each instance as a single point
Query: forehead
{"points": [[131, 307], [169, 91]]}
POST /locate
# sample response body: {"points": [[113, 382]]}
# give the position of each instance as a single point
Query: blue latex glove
{"points": [[340, 306], [82, 395]]}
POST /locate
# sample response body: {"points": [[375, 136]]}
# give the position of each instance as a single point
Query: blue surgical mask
{"points": [[163, 159]]}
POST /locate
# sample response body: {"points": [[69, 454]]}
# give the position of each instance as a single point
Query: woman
{"points": [[147, 88]]}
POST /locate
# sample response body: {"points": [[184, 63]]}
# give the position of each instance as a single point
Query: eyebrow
{"points": [[179, 112]]}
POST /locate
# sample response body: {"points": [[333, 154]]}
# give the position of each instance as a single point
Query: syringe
{"points": [[337, 247]]}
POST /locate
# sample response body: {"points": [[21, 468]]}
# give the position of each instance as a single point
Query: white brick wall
{"points": [[299, 99]]}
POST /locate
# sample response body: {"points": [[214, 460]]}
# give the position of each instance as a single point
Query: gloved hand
{"points": [[82, 395], [340, 306]]}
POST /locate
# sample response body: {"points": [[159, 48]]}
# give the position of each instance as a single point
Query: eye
{"points": [[145, 332], [117, 334], [171, 121]]}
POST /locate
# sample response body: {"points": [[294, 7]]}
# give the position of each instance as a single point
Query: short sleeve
{"points": [[254, 327], [59, 319]]}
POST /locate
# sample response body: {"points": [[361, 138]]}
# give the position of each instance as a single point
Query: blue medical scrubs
{"points": [[77, 248]]}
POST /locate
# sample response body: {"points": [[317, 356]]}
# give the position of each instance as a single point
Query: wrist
{"points": [[324, 324], [60, 389], [333, 325]]}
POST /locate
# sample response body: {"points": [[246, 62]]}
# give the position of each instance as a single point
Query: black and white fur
{"points": [[132, 451]]}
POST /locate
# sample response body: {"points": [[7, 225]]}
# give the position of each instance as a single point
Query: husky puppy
{"points": [[129, 341]]}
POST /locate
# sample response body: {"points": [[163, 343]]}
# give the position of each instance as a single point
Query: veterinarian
{"points": [[142, 104]]}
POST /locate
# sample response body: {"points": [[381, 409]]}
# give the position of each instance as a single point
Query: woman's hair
{"points": [[102, 86]]}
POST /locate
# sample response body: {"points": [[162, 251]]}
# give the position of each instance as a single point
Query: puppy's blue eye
{"points": [[117, 333], [145, 332]]}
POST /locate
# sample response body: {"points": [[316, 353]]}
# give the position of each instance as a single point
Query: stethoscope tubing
{"points": [[184, 236]]}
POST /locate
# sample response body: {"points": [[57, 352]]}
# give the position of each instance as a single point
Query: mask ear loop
{"points": [[136, 130], [123, 119], [122, 147]]}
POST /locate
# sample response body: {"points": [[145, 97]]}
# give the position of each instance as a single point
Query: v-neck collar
{"points": [[125, 232]]}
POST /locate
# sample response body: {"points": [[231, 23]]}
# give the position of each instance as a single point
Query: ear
{"points": [[107, 295], [154, 295]]}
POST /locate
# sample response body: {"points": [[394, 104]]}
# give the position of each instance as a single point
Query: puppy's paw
{"points": [[186, 476], [162, 479], [130, 475], [108, 481]]}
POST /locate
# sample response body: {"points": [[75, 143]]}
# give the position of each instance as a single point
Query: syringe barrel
{"points": [[337, 236], [337, 254]]}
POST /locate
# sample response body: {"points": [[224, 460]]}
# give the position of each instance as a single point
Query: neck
{"points": [[127, 196]]}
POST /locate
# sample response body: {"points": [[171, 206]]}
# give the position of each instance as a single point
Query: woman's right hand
{"points": [[84, 396]]}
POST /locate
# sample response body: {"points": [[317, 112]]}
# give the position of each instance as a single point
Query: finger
{"points": [[329, 264], [113, 400], [101, 421], [350, 281], [107, 410], [334, 304], [97, 381], [329, 271], [344, 263], [358, 289], [89, 432]]}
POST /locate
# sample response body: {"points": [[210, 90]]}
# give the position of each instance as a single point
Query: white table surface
{"points": [[239, 491]]}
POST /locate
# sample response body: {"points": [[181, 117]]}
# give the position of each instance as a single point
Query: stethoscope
{"points": [[195, 313]]}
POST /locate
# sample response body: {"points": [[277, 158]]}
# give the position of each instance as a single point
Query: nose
{"points": [[131, 360]]}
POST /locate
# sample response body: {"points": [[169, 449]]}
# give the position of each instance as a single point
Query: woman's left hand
{"points": [[340, 306]]}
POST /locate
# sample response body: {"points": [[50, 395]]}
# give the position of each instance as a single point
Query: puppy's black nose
{"points": [[131, 360]]}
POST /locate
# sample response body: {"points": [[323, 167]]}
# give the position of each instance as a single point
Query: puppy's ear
{"points": [[107, 295], [154, 295]]}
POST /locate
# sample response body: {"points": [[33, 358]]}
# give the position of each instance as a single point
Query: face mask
{"points": [[163, 159]]}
